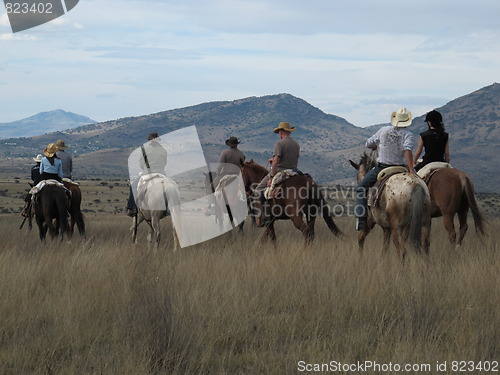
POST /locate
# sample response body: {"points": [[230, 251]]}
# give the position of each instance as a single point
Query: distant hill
{"points": [[327, 141], [41, 123]]}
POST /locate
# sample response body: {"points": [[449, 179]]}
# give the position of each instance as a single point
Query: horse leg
{"points": [[462, 219], [387, 239], [398, 240], [271, 233], [300, 225], [426, 232], [450, 227]]}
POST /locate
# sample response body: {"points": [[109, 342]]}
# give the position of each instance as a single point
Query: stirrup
{"points": [[361, 223]]}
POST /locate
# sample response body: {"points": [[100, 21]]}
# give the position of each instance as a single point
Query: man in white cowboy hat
{"points": [[153, 159], [66, 159], [35, 170], [394, 144], [286, 156], [51, 166]]}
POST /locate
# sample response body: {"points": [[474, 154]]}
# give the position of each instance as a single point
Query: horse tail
{"points": [[479, 220], [62, 211], [76, 201], [325, 210], [418, 199]]}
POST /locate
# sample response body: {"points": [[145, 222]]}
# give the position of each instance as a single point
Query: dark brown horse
{"points": [[75, 209], [299, 196], [51, 211], [452, 193], [403, 210]]}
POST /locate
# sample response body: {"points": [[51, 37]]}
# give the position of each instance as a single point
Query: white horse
{"points": [[403, 210], [157, 197]]}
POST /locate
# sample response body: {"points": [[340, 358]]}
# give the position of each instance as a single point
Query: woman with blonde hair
{"points": [[51, 165]]}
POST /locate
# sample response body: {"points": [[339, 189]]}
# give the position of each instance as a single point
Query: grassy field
{"points": [[232, 305]]}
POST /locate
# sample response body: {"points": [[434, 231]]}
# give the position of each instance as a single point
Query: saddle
{"points": [[280, 177], [382, 177], [428, 170]]}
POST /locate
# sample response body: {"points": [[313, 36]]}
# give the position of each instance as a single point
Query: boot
{"points": [[361, 223]]}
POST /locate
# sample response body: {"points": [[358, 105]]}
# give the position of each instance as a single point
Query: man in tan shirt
{"points": [[286, 156]]}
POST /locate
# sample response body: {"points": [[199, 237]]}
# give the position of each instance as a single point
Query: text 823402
{"points": [[26, 8]]}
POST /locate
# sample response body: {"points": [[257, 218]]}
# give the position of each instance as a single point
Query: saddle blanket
{"points": [[270, 192], [38, 187]]}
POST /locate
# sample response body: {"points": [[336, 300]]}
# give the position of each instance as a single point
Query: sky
{"points": [[357, 59]]}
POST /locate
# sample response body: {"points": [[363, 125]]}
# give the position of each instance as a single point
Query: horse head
{"points": [[366, 163]]}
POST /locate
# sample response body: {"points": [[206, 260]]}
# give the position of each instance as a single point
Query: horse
{"points": [[157, 197], [219, 192], [300, 196], [452, 193], [75, 211], [403, 210], [51, 211]]}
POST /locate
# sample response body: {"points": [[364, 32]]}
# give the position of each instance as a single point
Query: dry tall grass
{"points": [[234, 306]]}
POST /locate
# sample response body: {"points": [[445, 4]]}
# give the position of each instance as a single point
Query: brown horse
{"points": [[299, 196], [452, 193], [403, 210], [51, 210], [75, 208]]}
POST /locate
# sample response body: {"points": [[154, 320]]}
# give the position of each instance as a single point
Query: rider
{"points": [[434, 140], [51, 165], [35, 170], [230, 160], [394, 144], [153, 159], [66, 159], [286, 156]]}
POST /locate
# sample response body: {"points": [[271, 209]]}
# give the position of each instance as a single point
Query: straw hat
{"points": [[60, 145], [38, 158], [50, 150], [402, 118], [232, 141], [284, 126]]}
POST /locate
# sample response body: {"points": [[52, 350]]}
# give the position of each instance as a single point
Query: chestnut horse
{"points": [[75, 211], [300, 196], [452, 193], [51, 211], [403, 210]]}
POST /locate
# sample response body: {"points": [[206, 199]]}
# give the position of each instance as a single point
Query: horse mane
{"points": [[368, 161], [255, 166]]}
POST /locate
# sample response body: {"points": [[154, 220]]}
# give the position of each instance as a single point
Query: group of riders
{"points": [[55, 164], [394, 144]]}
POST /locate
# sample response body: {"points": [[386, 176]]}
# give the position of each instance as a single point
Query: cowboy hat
{"points": [[60, 145], [51, 150], [402, 118], [232, 141], [38, 158], [152, 136], [284, 126]]}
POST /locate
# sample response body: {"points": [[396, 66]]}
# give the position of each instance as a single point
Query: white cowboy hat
{"points": [[38, 158], [284, 126], [402, 118]]}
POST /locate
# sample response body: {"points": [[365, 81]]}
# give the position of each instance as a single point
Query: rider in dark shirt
{"points": [[434, 141]]}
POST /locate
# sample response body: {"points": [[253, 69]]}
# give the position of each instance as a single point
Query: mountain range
{"points": [[327, 141], [43, 122]]}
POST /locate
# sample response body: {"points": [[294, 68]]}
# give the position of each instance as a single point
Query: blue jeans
{"points": [[361, 207]]}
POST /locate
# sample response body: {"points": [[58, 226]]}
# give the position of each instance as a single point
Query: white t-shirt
{"points": [[391, 143]]}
